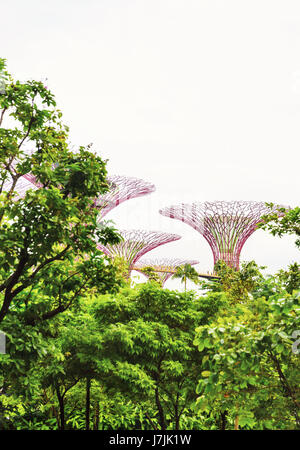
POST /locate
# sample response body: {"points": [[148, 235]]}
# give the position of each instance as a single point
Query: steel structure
{"points": [[23, 184], [136, 243], [121, 189], [31, 178], [163, 267], [225, 225]]}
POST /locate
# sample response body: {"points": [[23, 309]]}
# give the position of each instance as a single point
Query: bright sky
{"points": [[200, 97]]}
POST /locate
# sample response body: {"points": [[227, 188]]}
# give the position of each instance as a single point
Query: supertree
{"points": [[136, 243], [122, 188], [23, 184], [225, 225], [31, 178], [164, 268]]}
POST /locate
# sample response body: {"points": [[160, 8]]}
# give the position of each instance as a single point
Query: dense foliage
{"points": [[85, 349], [283, 221], [48, 235]]}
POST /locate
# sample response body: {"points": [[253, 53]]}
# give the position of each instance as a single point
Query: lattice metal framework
{"points": [[164, 267], [122, 189], [136, 243], [23, 184], [31, 178], [225, 225]]}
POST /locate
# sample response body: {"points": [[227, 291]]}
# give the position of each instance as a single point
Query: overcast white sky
{"points": [[200, 97]]}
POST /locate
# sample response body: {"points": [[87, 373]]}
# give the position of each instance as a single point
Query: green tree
{"points": [[251, 373], [283, 221], [147, 349], [290, 278], [151, 275], [237, 284], [56, 222], [186, 272]]}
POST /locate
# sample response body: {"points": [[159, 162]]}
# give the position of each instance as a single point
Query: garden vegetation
{"points": [[86, 349]]}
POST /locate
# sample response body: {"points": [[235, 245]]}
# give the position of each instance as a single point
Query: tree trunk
{"points": [[87, 403], [236, 423], [287, 389], [61, 408], [96, 416], [177, 415], [223, 420], [160, 410]]}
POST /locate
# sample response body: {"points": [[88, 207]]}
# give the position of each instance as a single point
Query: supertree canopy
{"points": [[225, 225], [31, 178], [23, 184], [121, 189], [163, 267], [135, 243]]}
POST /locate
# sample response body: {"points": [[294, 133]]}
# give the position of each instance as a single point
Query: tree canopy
{"points": [[85, 348], [48, 234]]}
